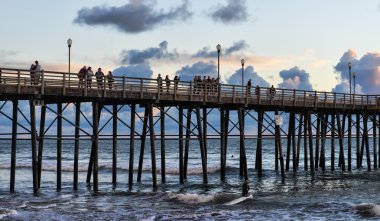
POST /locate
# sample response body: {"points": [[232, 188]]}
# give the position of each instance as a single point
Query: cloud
{"points": [[249, 73], [206, 52], [367, 70], [187, 73], [135, 17], [295, 78], [141, 56], [235, 11], [139, 70]]}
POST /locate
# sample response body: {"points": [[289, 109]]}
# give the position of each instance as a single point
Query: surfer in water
{"points": [[245, 189]]}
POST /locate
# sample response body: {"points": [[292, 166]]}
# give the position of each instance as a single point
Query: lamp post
{"points": [[218, 48], [354, 76], [69, 43], [242, 72], [349, 72]]}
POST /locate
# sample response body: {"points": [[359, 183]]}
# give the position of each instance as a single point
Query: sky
{"points": [[290, 44]]}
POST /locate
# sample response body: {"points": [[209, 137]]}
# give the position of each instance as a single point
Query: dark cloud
{"points": [[187, 73], [207, 52], [295, 78], [235, 11], [366, 69], [135, 17], [139, 70], [141, 56], [249, 73]]}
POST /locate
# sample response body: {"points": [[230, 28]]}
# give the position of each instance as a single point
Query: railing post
{"points": [[123, 87], [18, 82], [175, 89], [1, 77], [233, 93], [191, 91], [64, 85], [334, 100], [362, 102], [344, 100], [141, 89], [283, 96], [42, 82], [316, 100], [354, 101], [325, 98], [104, 87], [219, 92], [85, 85], [304, 98], [294, 97]]}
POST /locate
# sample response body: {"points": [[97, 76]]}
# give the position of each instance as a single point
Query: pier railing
{"points": [[68, 84]]}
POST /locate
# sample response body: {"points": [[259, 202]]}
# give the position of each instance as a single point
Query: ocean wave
{"points": [[7, 212], [367, 210], [192, 198]]}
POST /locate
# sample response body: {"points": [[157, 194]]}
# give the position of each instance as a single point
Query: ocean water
{"points": [[300, 196]]}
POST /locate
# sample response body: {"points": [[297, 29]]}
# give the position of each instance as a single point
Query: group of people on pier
{"points": [[86, 74], [207, 84]]}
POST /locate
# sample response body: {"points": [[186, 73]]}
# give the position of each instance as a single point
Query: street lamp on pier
{"points": [[349, 72], [218, 48], [242, 72], [69, 43]]}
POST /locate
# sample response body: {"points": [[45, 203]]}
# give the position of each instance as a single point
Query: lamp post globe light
{"points": [[218, 48], [69, 43], [242, 72], [349, 72]]}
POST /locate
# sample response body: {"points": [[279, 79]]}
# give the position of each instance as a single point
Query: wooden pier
{"points": [[313, 116]]}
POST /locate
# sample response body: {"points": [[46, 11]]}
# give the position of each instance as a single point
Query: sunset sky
{"points": [[293, 44]]}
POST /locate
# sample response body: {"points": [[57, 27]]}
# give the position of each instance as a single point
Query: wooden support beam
{"points": [[180, 143], [41, 143], [114, 144], [299, 139], [279, 146], [294, 150], [95, 137], [76, 144], [59, 146], [202, 147], [349, 145], [205, 129], [142, 149], [14, 146], [152, 146], [260, 143], [365, 137], [317, 141], [332, 142], [306, 119], [242, 143], [310, 133], [132, 145], [289, 140], [342, 161], [222, 142], [34, 145], [324, 121], [187, 143], [358, 140], [374, 130]]}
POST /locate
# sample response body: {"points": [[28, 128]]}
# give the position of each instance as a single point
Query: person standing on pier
{"points": [[32, 74], [89, 75], [110, 79], [249, 85], [99, 78], [81, 76], [195, 83], [167, 80], [159, 82], [176, 80], [37, 72]]}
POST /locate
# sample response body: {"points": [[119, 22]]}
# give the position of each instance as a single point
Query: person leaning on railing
{"points": [[37, 72], [159, 82], [249, 85], [99, 78], [81, 76], [167, 81]]}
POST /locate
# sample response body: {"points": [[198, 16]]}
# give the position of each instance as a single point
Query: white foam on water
{"points": [[192, 198], [7, 212]]}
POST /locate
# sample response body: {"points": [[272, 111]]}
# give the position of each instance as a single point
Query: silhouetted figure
{"points": [[272, 91], [32, 74], [37, 72], [176, 80], [81, 76], [249, 85], [110, 79], [167, 80], [195, 83], [159, 82], [89, 76], [99, 78]]}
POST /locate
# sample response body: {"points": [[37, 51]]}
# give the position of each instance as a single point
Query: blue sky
{"points": [[307, 38]]}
